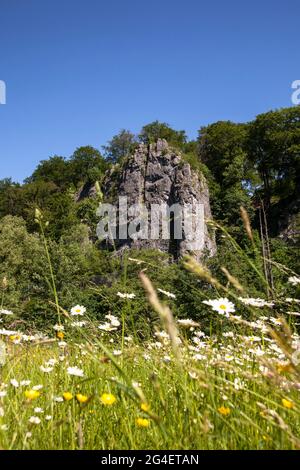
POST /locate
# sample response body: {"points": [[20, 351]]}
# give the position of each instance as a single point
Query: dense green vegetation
{"points": [[254, 165]]}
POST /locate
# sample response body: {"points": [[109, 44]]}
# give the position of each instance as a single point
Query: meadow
{"points": [[91, 386]]}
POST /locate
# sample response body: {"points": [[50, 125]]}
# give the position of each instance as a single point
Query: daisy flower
{"points": [[223, 306], [125, 296], [78, 310], [75, 371], [166, 293], [294, 280]]}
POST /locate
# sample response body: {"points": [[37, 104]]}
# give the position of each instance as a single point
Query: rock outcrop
{"points": [[157, 175]]}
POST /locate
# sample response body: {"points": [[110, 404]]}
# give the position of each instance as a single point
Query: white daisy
{"points": [[125, 296], [168, 294], [58, 327], [223, 306], [34, 420], [6, 312], [78, 310], [256, 302], [75, 371], [14, 383], [294, 280]]}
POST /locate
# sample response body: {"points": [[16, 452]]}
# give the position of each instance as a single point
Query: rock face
{"points": [[157, 175]]}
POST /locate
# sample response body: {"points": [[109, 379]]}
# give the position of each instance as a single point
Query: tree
{"points": [[55, 170], [222, 150], [161, 130], [86, 164], [120, 146]]}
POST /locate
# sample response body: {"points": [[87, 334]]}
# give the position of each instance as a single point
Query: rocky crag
{"points": [[156, 174]]}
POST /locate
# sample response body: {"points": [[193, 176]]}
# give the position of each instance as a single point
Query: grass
{"points": [[238, 391], [237, 388]]}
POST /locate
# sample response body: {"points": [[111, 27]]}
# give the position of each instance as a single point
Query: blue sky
{"points": [[78, 71]]}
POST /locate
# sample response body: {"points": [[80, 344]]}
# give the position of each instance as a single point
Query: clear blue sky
{"points": [[78, 71]]}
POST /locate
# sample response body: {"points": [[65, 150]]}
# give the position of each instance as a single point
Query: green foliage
{"points": [[160, 130], [120, 146]]}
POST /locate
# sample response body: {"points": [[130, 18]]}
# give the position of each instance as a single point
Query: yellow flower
{"points": [[287, 403], [60, 335], [67, 396], [107, 399], [32, 394], [142, 422], [15, 337], [224, 411], [81, 398], [145, 407]]}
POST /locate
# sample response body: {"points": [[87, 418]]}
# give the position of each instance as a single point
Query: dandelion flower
{"points": [[223, 410], [81, 398], [60, 335], [78, 310], [32, 394], [143, 422], [67, 396], [107, 399], [75, 371], [223, 306], [145, 407], [287, 403]]}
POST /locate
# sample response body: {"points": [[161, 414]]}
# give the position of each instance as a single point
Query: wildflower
{"points": [[60, 335], [25, 383], [276, 321], [78, 310], [107, 399], [142, 422], [81, 398], [6, 312], [294, 280], [48, 417], [14, 383], [223, 410], [125, 296], [106, 327], [58, 399], [145, 407], [31, 394], [223, 306], [46, 370], [16, 339], [187, 323], [58, 327], [78, 324], [67, 396], [287, 403], [117, 352], [62, 344], [113, 320], [259, 303], [34, 420], [38, 410], [168, 294], [75, 371], [37, 387], [3, 393]]}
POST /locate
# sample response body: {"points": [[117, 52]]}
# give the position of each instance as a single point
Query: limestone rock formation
{"points": [[156, 174]]}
